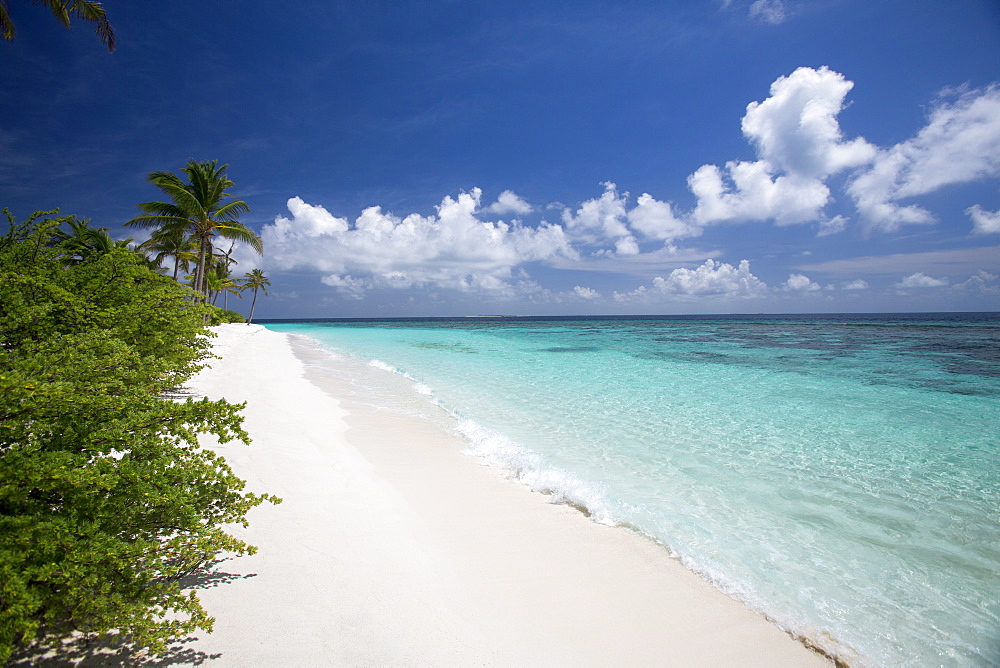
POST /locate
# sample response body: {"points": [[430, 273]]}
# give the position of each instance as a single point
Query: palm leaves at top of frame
{"points": [[64, 10]]}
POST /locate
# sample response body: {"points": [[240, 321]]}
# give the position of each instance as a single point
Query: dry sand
{"points": [[394, 549]]}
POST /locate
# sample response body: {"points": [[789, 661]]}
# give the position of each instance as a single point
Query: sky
{"points": [[444, 158]]}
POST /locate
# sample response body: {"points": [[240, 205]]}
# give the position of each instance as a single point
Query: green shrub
{"points": [[219, 316], [106, 498]]}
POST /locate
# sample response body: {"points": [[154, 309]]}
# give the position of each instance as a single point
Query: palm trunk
{"points": [[252, 304], [209, 257], [199, 273]]}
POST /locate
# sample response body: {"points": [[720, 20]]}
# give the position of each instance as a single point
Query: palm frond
{"points": [[59, 10], [231, 211], [241, 232], [6, 25], [154, 221], [90, 10]]}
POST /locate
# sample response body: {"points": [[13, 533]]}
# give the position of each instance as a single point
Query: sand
{"points": [[392, 548]]}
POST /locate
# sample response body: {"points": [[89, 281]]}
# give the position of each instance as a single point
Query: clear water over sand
{"points": [[839, 473]]}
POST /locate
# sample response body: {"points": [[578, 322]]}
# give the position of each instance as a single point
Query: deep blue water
{"points": [[838, 472]]}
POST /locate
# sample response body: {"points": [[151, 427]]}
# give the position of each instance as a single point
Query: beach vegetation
{"points": [[254, 280], [65, 11], [107, 500], [200, 208], [167, 243], [221, 316]]}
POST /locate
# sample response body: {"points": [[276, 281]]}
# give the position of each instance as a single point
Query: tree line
{"points": [[186, 227], [107, 500]]}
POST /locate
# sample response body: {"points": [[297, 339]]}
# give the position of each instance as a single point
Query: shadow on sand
{"points": [[112, 651]]}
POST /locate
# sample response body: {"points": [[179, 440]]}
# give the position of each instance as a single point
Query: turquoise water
{"points": [[838, 473]]}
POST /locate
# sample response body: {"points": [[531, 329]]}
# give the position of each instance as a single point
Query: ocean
{"points": [[838, 473]]}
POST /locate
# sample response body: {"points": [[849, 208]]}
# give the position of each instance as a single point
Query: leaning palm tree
{"points": [[200, 208], [254, 280], [88, 10]]}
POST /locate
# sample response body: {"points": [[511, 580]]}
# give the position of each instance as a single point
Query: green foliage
{"points": [[63, 10], [199, 207], [220, 316], [106, 498], [254, 280]]}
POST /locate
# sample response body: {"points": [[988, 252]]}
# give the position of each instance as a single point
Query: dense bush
{"points": [[106, 498], [219, 316]]}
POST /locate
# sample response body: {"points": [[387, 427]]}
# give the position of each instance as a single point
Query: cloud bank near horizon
{"points": [[799, 146]]}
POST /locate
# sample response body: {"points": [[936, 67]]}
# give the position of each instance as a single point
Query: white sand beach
{"points": [[392, 548]]}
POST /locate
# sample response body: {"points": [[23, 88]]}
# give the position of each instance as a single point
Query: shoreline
{"points": [[393, 547]]}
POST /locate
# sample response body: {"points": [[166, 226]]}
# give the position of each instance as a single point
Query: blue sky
{"points": [[453, 158]]}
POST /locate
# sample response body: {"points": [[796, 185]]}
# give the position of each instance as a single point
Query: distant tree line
{"points": [[106, 498]]}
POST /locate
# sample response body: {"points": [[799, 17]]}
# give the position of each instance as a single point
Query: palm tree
{"points": [[221, 283], [88, 10], [171, 242], [198, 207], [83, 242], [254, 280]]}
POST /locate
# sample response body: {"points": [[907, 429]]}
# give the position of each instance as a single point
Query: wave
{"points": [[521, 464], [517, 462], [419, 387]]}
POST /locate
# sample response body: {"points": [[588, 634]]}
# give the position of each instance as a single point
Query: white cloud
{"points": [[796, 128], [509, 202], [858, 284], [799, 144], [800, 283], [959, 144], [712, 278], [453, 249], [983, 281], [347, 285], [586, 293], [656, 220], [830, 226], [768, 11], [600, 220], [983, 221], [921, 280], [755, 194]]}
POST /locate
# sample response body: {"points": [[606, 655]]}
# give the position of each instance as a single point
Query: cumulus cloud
{"points": [[509, 202], [451, 249], [796, 128], [586, 293], [920, 280], [712, 278], [799, 144], [656, 220], [982, 281], [800, 283], [959, 144], [983, 221], [799, 147], [601, 220], [754, 193]]}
